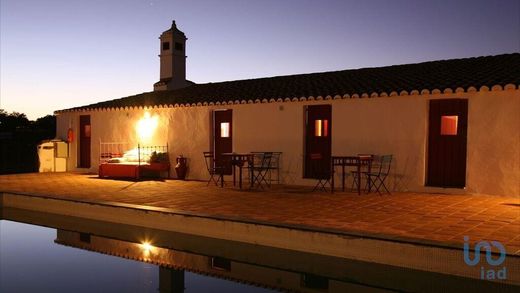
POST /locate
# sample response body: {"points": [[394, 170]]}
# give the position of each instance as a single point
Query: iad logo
{"points": [[491, 273]]}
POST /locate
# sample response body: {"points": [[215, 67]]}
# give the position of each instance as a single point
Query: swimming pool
{"points": [[43, 252]]}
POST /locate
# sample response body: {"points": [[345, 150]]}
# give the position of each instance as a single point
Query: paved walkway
{"points": [[423, 217]]}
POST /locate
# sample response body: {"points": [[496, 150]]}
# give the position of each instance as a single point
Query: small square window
{"points": [[221, 264], [179, 46], [314, 282], [321, 127], [84, 237], [87, 131], [449, 125], [224, 129], [165, 46]]}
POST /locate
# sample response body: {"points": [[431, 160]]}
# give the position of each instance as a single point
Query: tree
{"points": [[18, 140], [46, 122], [12, 121]]}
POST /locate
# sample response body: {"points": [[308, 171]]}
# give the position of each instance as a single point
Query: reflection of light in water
{"points": [[147, 248]]}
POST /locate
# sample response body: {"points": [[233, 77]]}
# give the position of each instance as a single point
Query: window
{"points": [[321, 127], [87, 131], [165, 46], [84, 237], [224, 129], [314, 282], [179, 46], [449, 125], [221, 264]]}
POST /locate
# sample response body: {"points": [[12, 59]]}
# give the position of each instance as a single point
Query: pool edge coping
{"points": [[305, 228]]}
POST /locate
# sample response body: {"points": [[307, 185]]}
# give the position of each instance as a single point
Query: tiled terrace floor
{"points": [[422, 217]]}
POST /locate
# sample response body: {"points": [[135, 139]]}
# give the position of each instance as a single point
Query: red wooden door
{"points": [[223, 136], [447, 137], [84, 141], [318, 141]]}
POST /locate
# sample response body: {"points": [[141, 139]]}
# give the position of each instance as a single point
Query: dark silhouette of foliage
{"points": [[11, 121], [19, 138]]}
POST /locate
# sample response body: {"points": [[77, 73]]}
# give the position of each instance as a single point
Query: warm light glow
{"points": [[224, 129], [147, 248], [137, 155], [321, 127], [325, 127], [449, 125], [146, 127], [317, 128]]}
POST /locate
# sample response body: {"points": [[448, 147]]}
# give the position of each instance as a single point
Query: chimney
{"points": [[173, 60]]}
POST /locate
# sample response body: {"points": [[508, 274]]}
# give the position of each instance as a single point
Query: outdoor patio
{"points": [[426, 218]]}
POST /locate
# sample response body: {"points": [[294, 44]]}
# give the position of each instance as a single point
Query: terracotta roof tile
{"points": [[478, 71]]}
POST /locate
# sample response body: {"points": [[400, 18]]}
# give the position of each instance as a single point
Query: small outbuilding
{"points": [[450, 124]]}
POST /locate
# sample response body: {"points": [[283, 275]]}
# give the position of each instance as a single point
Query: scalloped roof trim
{"points": [[415, 92]]}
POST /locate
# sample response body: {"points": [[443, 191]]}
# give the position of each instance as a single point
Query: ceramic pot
{"points": [[181, 168]]}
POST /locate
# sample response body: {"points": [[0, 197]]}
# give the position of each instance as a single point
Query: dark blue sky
{"points": [[61, 53]]}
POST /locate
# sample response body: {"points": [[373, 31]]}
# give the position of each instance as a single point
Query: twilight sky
{"points": [[57, 54]]}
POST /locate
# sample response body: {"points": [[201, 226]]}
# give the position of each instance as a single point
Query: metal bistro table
{"points": [[238, 160], [345, 161]]}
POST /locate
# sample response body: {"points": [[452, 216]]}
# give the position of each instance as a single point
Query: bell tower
{"points": [[173, 60]]}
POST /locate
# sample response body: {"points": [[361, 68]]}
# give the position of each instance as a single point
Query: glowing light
{"points": [[135, 154], [146, 247], [146, 126], [317, 128], [449, 125], [321, 127], [224, 129]]}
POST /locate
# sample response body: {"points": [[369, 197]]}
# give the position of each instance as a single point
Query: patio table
{"points": [[345, 161], [238, 160]]}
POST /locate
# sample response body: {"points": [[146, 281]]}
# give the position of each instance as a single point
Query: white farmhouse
{"points": [[451, 124]]}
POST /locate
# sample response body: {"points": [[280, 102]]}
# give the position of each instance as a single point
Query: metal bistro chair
{"points": [[213, 168], [274, 167], [322, 173], [364, 171], [261, 170], [323, 179], [377, 177]]}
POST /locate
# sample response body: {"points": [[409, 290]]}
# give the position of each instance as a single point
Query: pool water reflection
{"points": [[30, 261], [42, 252]]}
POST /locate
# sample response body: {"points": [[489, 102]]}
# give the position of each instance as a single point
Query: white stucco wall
{"points": [[387, 125], [493, 165], [392, 125]]}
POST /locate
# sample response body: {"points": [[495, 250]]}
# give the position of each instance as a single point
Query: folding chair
{"points": [[274, 167], [213, 169], [322, 173], [323, 180], [377, 178], [261, 170], [364, 171]]}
